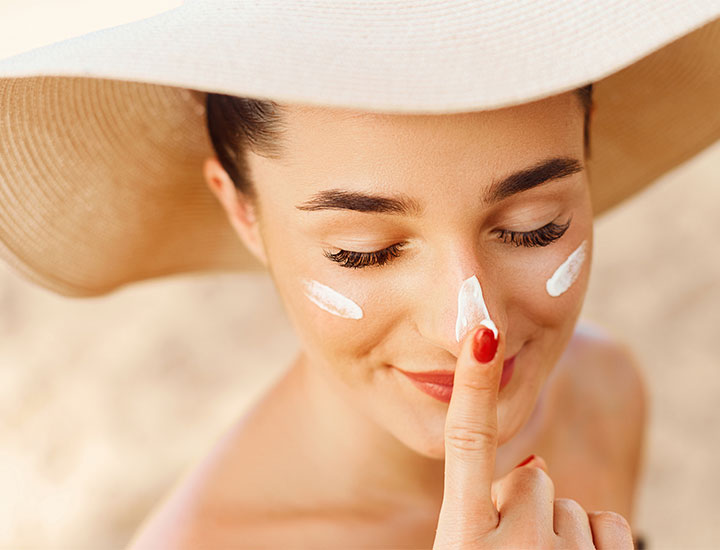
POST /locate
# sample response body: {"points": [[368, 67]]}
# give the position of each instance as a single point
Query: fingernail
{"points": [[484, 345], [526, 461]]}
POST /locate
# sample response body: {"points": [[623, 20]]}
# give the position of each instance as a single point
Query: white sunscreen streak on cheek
{"points": [[568, 271], [331, 300], [472, 310]]}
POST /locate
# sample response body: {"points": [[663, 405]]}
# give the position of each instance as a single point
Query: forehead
{"points": [[421, 155], [317, 128]]}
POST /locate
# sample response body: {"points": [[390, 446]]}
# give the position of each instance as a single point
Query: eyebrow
{"points": [[543, 172], [338, 199]]}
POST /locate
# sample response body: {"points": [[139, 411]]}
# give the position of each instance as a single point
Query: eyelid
{"points": [[527, 216], [360, 247], [557, 220], [540, 237]]}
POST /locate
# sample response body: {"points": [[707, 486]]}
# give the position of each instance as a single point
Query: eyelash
{"points": [[543, 236], [349, 258]]}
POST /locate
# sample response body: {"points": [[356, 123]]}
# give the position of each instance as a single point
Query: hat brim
{"points": [[101, 177]]}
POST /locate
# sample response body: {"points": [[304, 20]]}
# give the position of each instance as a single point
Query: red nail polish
{"points": [[484, 345], [526, 461]]}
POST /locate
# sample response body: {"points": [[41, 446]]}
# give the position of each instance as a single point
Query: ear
{"points": [[240, 209]]}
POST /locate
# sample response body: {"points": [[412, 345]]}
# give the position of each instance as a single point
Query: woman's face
{"points": [[456, 223]]}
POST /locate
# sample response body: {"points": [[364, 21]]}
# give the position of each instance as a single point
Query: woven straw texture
{"points": [[103, 136]]}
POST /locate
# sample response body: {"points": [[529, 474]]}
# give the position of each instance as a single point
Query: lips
{"points": [[443, 377], [439, 383]]}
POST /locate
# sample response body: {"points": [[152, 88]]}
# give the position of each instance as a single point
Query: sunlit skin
{"points": [[410, 303], [344, 429]]}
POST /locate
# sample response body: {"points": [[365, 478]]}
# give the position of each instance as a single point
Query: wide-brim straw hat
{"points": [[103, 136]]}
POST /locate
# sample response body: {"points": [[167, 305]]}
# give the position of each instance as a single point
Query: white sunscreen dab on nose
{"points": [[331, 300], [568, 271], [472, 310]]}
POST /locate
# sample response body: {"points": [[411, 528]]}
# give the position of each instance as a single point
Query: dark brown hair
{"points": [[239, 123]]}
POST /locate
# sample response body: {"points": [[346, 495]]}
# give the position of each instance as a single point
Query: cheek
{"points": [[548, 293], [330, 315], [567, 272], [326, 307], [330, 300]]}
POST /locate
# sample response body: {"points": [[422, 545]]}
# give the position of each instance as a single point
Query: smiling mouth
{"points": [[444, 377], [439, 383]]}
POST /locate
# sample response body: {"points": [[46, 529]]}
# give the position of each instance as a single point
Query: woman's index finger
{"points": [[471, 433]]}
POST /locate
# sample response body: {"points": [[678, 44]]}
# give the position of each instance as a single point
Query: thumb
{"points": [[471, 432]]}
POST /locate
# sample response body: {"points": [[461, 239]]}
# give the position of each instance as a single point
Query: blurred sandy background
{"points": [[105, 402]]}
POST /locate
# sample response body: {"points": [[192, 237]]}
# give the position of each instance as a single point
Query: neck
{"points": [[344, 459], [371, 466]]}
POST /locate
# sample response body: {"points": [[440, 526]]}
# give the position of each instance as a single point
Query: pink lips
{"points": [[439, 383]]}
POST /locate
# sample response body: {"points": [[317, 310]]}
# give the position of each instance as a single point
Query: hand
{"points": [[520, 509]]}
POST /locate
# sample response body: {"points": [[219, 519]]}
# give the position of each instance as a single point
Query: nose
{"points": [[457, 299], [471, 309]]}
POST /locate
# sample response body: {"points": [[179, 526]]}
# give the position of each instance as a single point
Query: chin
{"points": [[429, 443], [433, 450], [513, 415]]}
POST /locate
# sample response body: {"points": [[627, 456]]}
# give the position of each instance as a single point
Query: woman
{"points": [[401, 240], [345, 440]]}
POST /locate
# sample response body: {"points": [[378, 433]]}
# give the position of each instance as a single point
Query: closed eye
{"points": [[349, 258], [542, 236]]}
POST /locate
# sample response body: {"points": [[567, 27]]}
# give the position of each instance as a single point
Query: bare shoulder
{"points": [[603, 371], [187, 517], [598, 419], [170, 523]]}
